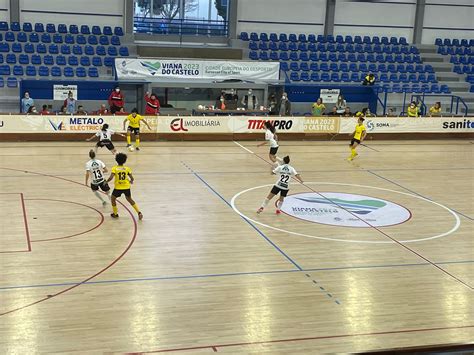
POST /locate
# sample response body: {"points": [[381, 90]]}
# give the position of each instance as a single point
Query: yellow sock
{"points": [[353, 152], [129, 140], [137, 142], [135, 207], [115, 209]]}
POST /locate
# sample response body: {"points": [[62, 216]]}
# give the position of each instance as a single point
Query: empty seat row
{"points": [[462, 60], [31, 70], [341, 57], [36, 59], [357, 77], [62, 28], [59, 38], [12, 82], [353, 67], [455, 50], [464, 69], [283, 37], [63, 49], [454, 42], [322, 47]]}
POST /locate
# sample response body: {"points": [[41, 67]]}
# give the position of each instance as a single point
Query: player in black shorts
{"points": [[105, 138], [95, 169]]}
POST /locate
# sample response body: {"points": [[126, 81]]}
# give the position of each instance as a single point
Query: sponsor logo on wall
{"points": [[465, 124], [184, 125], [278, 124], [345, 210], [321, 124]]}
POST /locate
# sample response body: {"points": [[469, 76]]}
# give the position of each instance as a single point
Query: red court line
{"points": [[72, 235], [228, 345], [25, 221], [48, 297]]}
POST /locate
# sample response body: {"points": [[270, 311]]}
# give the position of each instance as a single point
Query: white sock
{"points": [[97, 193], [109, 194], [265, 203], [279, 203]]}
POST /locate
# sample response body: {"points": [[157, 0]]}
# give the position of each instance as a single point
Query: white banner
{"points": [[255, 124], [158, 69], [60, 92], [418, 125], [329, 96], [195, 124]]}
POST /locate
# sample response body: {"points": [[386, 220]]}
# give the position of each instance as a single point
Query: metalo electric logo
{"points": [[57, 126], [347, 210]]}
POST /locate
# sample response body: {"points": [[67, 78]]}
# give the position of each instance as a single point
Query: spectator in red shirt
{"points": [[45, 111], [152, 104], [116, 100], [103, 110]]}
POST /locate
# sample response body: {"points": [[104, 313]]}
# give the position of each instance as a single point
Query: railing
{"points": [[455, 100], [181, 27]]}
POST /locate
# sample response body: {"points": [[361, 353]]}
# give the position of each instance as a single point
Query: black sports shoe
{"points": [[137, 148], [113, 215]]}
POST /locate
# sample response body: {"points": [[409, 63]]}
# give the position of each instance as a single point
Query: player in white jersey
{"points": [[105, 138], [272, 139], [95, 169], [282, 186]]}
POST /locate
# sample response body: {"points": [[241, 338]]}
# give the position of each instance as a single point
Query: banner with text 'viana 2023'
{"points": [[158, 69]]}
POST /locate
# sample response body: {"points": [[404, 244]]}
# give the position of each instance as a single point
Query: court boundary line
{"points": [[414, 192], [25, 223], [287, 340], [245, 219], [383, 233], [243, 273]]}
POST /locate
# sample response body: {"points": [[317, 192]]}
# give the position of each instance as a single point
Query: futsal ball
{"points": [[131, 148]]}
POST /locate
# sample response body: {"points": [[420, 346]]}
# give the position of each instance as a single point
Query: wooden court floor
{"points": [[197, 277]]}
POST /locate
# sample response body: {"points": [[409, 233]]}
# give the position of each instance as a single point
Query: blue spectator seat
{"points": [[108, 32], [294, 66], [60, 60], [282, 46], [333, 66], [72, 61], [294, 76], [435, 89], [104, 40], [4, 26], [313, 56], [30, 70], [89, 50], [401, 68], [23, 59], [363, 68], [284, 56], [85, 30], [96, 30], [9, 36], [68, 72], [340, 47], [304, 56], [325, 77], [284, 66], [431, 78], [314, 66], [348, 39], [352, 57], [403, 78], [382, 68], [46, 38], [39, 27], [358, 40], [58, 38], [292, 37], [321, 47], [263, 46], [302, 47], [97, 61], [455, 42], [69, 39], [56, 71], [273, 46], [331, 47], [355, 77], [253, 55], [10, 59], [350, 48], [339, 39], [324, 66], [394, 78], [343, 67], [413, 78], [371, 58], [345, 77], [384, 40], [302, 38], [81, 39], [396, 49], [304, 66], [16, 48], [393, 40], [92, 39], [109, 61], [274, 55], [330, 39], [292, 46], [273, 37], [21, 37], [422, 78], [380, 58], [100, 50], [389, 58], [53, 49], [384, 77], [15, 26], [5, 70], [36, 59], [263, 37], [294, 56], [18, 70], [304, 76], [263, 55], [34, 38], [438, 41], [73, 29], [353, 67], [376, 40], [367, 40], [361, 57], [85, 61], [321, 39], [12, 82], [332, 57], [283, 37], [253, 45], [1, 58], [315, 76], [312, 38], [27, 27], [51, 28], [323, 57], [43, 71], [115, 41], [368, 48], [254, 36], [403, 41], [335, 77], [48, 60], [93, 73], [81, 72], [312, 47], [77, 50], [118, 31], [464, 42]]}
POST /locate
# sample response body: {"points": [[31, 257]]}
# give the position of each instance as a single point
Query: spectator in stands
{"points": [[81, 111], [341, 104], [347, 112], [116, 100], [391, 112], [273, 105], [32, 110], [369, 80], [152, 104], [318, 108], [333, 112], [285, 105], [70, 103], [413, 110], [45, 110], [231, 100], [121, 111], [103, 110], [250, 101], [436, 109], [26, 102], [63, 110], [220, 101]]}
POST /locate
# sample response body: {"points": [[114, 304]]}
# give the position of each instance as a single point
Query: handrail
{"points": [[453, 97], [181, 26]]}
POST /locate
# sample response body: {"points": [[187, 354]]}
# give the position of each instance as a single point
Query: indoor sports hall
{"points": [[235, 176]]}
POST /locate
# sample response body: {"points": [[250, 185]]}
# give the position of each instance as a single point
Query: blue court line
{"points": [[315, 282], [416, 193], [250, 273], [245, 219]]}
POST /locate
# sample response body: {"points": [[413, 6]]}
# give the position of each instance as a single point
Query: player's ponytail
{"points": [[91, 154], [268, 125], [105, 127]]}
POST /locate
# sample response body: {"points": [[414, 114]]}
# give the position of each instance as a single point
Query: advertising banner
{"points": [[255, 124], [327, 124], [158, 69], [195, 124], [418, 125], [329, 96], [60, 92]]}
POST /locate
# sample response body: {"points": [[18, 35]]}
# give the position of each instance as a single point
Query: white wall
{"points": [[5, 10], [281, 16], [375, 18], [457, 20], [79, 12]]}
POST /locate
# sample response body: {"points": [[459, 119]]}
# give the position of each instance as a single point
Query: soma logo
{"points": [[345, 210], [371, 125]]}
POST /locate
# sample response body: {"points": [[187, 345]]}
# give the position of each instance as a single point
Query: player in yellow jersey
{"points": [[123, 180], [134, 120], [357, 137]]}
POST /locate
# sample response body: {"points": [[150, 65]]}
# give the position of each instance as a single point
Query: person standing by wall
{"points": [[285, 105], [152, 106], [318, 108], [70, 103], [116, 100], [26, 102], [250, 101]]}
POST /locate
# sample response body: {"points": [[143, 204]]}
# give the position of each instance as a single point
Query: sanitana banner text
{"points": [[156, 69]]}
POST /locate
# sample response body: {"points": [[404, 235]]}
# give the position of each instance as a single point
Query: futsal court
{"points": [[203, 273]]}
